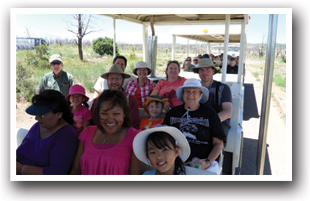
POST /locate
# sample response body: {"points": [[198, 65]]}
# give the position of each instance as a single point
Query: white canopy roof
{"points": [[180, 19]]}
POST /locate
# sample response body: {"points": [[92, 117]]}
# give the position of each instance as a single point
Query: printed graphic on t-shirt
{"points": [[78, 121], [192, 128]]}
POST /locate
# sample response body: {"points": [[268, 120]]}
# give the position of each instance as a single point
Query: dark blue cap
{"points": [[38, 109], [205, 56]]}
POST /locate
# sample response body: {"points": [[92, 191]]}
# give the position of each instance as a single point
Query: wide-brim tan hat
{"points": [[139, 142], [142, 64], [154, 98], [205, 63], [193, 83], [115, 69]]}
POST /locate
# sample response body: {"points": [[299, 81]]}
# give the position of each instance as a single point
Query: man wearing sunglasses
{"points": [[58, 79]]}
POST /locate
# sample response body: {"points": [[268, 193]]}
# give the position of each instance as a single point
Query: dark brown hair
{"points": [[117, 98], [171, 62]]}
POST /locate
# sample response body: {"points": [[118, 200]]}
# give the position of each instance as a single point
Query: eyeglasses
{"points": [[56, 63], [115, 78], [187, 60]]}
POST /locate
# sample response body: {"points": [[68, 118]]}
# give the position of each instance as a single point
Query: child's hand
{"points": [[204, 164], [167, 106]]}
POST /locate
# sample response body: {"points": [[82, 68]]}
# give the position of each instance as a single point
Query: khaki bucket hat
{"points": [[205, 63], [115, 69], [142, 64]]}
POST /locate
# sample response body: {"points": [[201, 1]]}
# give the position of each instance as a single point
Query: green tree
{"points": [[104, 46]]}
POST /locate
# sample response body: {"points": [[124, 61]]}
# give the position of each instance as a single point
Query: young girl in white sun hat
{"points": [[164, 148]]}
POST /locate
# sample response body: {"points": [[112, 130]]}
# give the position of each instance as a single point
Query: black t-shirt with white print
{"points": [[199, 127]]}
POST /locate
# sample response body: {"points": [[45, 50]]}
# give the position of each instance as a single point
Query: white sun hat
{"points": [[193, 82], [139, 143], [142, 64]]}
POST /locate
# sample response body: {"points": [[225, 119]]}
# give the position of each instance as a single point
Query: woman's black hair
{"points": [[160, 140], [120, 57], [55, 101], [116, 98]]}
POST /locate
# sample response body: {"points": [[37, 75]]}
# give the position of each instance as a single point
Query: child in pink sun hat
{"points": [[79, 107]]}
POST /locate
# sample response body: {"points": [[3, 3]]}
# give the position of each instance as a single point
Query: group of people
{"points": [[232, 65], [187, 119]]}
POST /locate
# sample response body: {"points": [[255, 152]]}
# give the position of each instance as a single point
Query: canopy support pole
{"points": [[173, 47], [265, 108], [241, 55], [226, 40], [145, 43], [114, 38]]}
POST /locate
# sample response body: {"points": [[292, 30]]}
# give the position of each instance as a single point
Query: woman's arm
{"points": [[26, 169], [155, 92], [218, 146], [136, 166], [86, 124], [76, 168]]}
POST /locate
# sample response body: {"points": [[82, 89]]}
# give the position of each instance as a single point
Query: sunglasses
{"points": [[56, 63], [187, 60]]}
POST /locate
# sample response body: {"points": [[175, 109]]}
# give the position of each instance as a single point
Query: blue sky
{"points": [[53, 26]]}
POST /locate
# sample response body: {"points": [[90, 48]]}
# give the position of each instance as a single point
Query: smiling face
{"points": [[173, 71], [76, 100], [111, 119], [155, 108], [162, 159], [142, 72], [206, 74], [121, 63], [191, 96], [115, 81], [56, 66]]}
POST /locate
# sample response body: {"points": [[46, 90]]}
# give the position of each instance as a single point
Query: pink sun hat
{"points": [[77, 89]]}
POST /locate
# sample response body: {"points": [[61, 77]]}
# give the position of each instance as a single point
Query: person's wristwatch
{"points": [[209, 161]]}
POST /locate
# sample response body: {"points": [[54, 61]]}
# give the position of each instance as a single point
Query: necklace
{"points": [[114, 135]]}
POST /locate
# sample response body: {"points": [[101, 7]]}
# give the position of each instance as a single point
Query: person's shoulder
{"points": [[68, 74], [207, 108], [182, 79], [49, 74], [87, 132], [132, 82], [132, 131], [175, 109], [67, 131], [149, 172], [84, 109]]}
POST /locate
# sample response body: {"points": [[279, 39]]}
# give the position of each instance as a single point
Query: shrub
{"points": [[39, 57], [104, 46], [283, 57], [24, 82]]}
